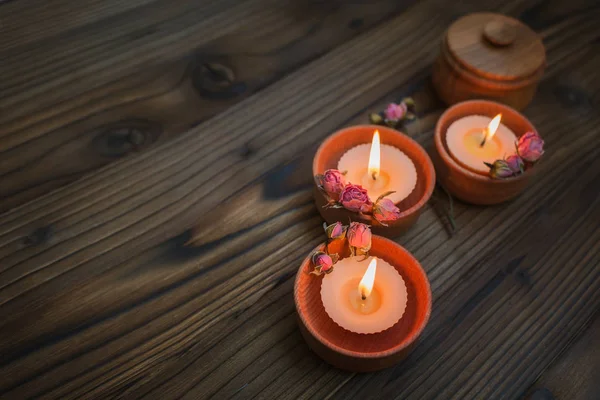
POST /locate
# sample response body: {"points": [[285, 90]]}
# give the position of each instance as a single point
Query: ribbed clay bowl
{"points": [[332, 149], [463, 183], [363, 352]]}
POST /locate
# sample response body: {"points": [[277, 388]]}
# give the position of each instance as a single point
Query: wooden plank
{"points": [[576, 373], [170, 320], [209, 155], [54, 146], [161, 32], [26, 21], [120, 46]]}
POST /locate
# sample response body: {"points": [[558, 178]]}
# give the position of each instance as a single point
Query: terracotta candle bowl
{"points": [[463, 183], [363, 352], [332, 149]]}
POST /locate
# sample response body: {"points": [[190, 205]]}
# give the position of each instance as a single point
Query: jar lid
{"points": [[496, 46]]}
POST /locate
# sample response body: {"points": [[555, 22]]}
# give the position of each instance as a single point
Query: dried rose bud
{"points": [[500, 169], [530, 147], [359, 236], [395, 112], [355, 198], [515, 163], [385, 211], [335, 231], [323, 263], [333, 183]]}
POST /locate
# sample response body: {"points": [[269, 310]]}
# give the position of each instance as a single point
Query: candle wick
{"points": [[363, 296], [374, 175], [484, 138]]}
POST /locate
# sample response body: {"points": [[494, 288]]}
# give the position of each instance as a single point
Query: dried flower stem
{"points": [[450, 211]]}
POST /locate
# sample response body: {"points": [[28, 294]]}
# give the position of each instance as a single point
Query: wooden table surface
{"points": [[155, 188]]}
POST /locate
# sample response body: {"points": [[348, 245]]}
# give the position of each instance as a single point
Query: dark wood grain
{"points": [[105, 293], [84, 128], [29, 21], [576, 373]]}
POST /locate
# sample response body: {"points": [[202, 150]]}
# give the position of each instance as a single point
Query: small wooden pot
{"points": [[363, 352], [489, 56], [463, 183], [332, 149]]}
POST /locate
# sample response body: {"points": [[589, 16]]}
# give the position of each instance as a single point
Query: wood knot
{"points": [[38, 236], [500, 33], [124, 137], [523, 277], [216, 81], [247, 151]]}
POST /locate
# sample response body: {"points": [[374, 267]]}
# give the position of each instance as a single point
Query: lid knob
{"points": [[500, 33]]}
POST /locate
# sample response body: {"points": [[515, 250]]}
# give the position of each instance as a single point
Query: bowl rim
{"points": [[407, 342], [452, 163], [428, 167]]}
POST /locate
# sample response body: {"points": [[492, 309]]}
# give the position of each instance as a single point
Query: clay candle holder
{"points": [[468, 185], [355, 351], [332, 149]]}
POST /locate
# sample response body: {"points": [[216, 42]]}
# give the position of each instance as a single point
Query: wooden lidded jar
{"points": [[489, 56]]}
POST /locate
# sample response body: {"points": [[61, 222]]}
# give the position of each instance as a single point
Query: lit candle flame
{"points": [[366, 283], [374, 156], [491, 129]]}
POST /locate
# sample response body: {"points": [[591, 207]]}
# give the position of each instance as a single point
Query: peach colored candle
{"points": [[379, 168], [364, 296], [475, 140]]}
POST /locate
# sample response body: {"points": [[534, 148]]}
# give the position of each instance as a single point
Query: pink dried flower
{"points": [[335, 231], [385, 211], [323, 263], [500, 169], [355, 198], [515, 163], [359, 236], [530, 147], [333, 183], [395, 112]]}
